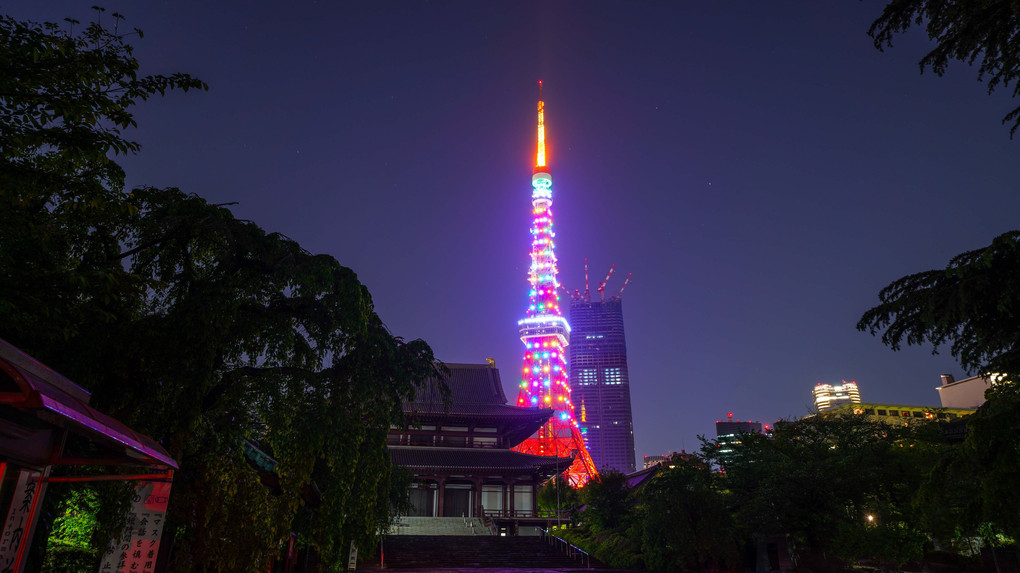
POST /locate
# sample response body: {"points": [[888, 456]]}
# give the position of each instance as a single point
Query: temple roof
{"points": [[475, 459], [468, 383], [476, 394]]}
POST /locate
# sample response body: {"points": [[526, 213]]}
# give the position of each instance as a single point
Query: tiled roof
{"points": [[469, 384], [475, 393], [482, 410], [426, 457]]}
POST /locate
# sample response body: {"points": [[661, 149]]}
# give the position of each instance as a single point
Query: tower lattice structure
{"points": [[546, 334]]}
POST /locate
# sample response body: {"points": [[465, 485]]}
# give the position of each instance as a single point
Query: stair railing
{"points": [[567, 548]]}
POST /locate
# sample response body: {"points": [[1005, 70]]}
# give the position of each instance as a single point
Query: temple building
{"points": [[460, 450]]}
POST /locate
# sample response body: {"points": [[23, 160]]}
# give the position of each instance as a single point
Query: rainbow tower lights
{"points": [[545, 334]]}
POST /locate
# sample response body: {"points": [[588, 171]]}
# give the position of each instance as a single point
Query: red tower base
{"points": [[562, 439]]}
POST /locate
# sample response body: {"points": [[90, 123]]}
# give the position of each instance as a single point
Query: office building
{"points": [[728, 435], [600, 381], [828, 396]]}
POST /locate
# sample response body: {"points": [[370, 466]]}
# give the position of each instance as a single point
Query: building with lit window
{"points": [[900, 414], [728, 435], [828, 396], [600, 382]]}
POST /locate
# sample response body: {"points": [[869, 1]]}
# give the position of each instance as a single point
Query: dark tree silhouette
{"points": [[972, 32]]}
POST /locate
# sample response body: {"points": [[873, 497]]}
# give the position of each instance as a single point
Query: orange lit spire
{"points": [[540, 158]]}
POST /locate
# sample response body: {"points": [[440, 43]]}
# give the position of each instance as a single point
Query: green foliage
{"points": [[64, 102], [884, 544], [948, 501], [617, 549], [686, 523], [814, 478], [991, 453], [973, 304], [189, 325], [69, 546], [77, 519], [70, 559], [567, 500], [969, 32], [830, 486], [608, 502], [609, 529]]}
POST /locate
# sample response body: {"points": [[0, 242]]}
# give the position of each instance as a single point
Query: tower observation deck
{"points": [[546, 334]]}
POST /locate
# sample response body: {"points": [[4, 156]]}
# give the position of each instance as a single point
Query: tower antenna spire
{"points": [[540, 156]]}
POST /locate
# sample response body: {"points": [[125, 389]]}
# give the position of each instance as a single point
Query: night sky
{"points": [[760, 168]]}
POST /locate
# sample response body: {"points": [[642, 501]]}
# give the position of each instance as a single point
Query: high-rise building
{"points": [[827, 396], [545, 334], [728, 433], [600, 381]]}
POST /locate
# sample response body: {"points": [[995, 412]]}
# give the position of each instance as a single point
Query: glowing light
{"points": [[544, 332], [540, 156]]}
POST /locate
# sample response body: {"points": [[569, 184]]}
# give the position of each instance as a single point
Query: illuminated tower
{"points": [[545, 334]]}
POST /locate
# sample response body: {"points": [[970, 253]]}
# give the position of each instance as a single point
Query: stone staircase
{"points": [[458, 526], [475, 552]]}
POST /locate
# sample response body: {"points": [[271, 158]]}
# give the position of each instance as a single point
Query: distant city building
{"points": [[966, 393], [899, 413], [728, 435], [600, 382], [651, 461], [827, 396], [951, 421]]}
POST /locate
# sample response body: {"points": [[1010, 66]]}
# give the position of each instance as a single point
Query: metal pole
{"points": [[557, 483]]}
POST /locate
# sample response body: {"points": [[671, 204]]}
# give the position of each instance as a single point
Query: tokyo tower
{"points": [[545, 334]]}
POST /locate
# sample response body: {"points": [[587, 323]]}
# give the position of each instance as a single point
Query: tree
{"points": [[194, 327], [984, 32], [64, 102], [992, 449], [686, 524], [973, 304], [817, 479], [608, 501], [609, 529], [558, 495]]}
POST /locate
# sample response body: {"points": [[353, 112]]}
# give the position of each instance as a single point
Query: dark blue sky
{"points": [[760, 167]]}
